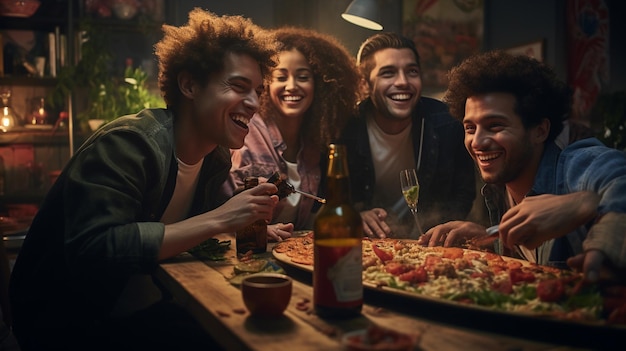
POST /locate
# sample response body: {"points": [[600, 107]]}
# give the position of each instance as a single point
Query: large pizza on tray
{"points": [[473, 277]]}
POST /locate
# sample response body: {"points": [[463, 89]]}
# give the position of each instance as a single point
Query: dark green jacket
{"points": [[99, 224]]}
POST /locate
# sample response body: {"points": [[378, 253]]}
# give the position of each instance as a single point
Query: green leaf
{"points": [[211, 249]]}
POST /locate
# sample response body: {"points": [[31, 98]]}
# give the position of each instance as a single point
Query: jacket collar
{"points": [[544, 179]]}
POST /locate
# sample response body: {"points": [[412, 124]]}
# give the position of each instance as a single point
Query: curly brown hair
{"points": [[336, 83], [199, 47], [538, 91]]}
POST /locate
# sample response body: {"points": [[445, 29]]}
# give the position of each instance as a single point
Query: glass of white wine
{"points": [[410, 190]]}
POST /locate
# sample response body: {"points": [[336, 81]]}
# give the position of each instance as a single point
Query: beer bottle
{"points": [[252, 237], [337, 273]]}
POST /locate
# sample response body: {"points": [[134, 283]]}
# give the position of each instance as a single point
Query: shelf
{"points": [[23, 135], [50, 14], [31, 23], [28, 81], [119, 25]]}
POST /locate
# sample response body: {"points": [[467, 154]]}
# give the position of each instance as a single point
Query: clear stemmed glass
{"points": [[410, 190]]}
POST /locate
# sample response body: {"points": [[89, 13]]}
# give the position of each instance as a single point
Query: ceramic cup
{"points": [[266, 294]]}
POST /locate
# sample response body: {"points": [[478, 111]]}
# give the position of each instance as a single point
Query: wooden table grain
{"points": [[202, 287]]}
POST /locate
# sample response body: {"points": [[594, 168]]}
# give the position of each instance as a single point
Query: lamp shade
{"points": [[364, 13]]}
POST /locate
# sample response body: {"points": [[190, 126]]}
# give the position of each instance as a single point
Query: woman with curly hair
{"points": [[143, 189], [311, 94]]}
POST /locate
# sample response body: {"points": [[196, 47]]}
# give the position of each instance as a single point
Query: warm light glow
{"points": [[360, 21], [6, 119]]}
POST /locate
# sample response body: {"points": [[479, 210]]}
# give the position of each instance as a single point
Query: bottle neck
{"points": [[338, 181], [338, 190]]}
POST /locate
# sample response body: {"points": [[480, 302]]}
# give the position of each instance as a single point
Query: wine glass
{"points": [[410, 190]]}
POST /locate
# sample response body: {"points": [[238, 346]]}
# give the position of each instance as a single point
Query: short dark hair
{"points": [[537, 90], [200, 46], [380, 41]]}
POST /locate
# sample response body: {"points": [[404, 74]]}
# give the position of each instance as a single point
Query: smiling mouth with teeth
{"points": [[488, 157], [292, 98], [400, 97], [241, 121]]}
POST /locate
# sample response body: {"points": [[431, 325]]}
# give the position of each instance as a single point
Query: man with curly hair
{"points": [[397, 128], [558, 205], [141, 189], [311, 94]]}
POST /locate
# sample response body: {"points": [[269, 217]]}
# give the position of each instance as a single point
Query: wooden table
{"points": [[203, 289]]}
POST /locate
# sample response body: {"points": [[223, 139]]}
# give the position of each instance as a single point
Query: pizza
{"points": [[475, 278], [298, 249]]}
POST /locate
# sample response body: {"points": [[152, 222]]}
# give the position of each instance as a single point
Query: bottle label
{"points": [[252, 238], [338, 274]]}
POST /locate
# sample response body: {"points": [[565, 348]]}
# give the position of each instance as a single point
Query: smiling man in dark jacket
{"points": [[398, 129]]}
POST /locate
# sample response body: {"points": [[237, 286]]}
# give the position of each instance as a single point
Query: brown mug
{"points": [[266, 294]]}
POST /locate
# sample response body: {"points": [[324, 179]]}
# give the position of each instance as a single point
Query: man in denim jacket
{"points": [[397, 129], [555, 205], [144, 188]]}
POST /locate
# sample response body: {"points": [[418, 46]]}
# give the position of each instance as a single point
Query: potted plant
{"points": [[99, 93]]}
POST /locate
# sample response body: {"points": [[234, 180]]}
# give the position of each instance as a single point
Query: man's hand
{"points": [[596, 268], [374, 223], [543, 217], [453, 233], [247, 207]]}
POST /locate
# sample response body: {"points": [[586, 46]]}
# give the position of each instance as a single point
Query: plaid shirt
{"points": [[261, 156]]}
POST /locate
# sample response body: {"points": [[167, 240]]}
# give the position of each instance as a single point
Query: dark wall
{"points": [[511, 22], [260, 11], [508, 23], [322, 15], [617, 49]]}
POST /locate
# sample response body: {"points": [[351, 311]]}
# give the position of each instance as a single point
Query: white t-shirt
{"points": [[186, 182], [391, 153], [289, 210]]}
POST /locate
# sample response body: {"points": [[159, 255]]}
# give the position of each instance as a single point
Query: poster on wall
{"points": [[445, 32], [533, 49], [588, 53]]}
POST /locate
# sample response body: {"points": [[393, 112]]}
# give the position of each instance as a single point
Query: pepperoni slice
{"points": [[518, 276], [382, 254], [550, 290]]}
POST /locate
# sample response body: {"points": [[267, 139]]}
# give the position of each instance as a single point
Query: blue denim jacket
{"points": [[585, 165]]}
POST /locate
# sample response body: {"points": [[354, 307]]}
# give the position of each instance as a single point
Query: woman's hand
{"points": [[279, 231]]}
